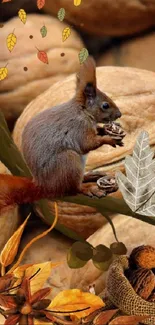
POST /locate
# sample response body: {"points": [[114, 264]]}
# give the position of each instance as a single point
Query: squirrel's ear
{"points": [[86, 79]]}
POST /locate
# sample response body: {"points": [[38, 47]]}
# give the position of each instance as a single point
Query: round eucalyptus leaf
{"points": [[118, 248], [73, 261], [82, 250]]}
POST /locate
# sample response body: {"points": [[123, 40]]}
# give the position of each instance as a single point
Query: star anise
{"points": [[23, 307]]}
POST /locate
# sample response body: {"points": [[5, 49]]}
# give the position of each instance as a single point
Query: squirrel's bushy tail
{"points": [[18, 190]]}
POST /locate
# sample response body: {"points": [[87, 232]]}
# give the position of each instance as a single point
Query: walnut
{"points": [[143, 256], [143, 282], [114, 130]]}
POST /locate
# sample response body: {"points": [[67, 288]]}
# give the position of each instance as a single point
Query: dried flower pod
{"points": [[107, 183], [143, 256], [143, 282]]}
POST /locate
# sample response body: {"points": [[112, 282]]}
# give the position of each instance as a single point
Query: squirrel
{"points": [[56, 141]]}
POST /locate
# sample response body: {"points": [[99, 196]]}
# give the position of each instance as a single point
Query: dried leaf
{"points": [[128, 320], [42, 56], [61, 14], [43, 31], [138, 186], [40, 4], [11, 247], [75, 299], [83, 55], [77, 3], [3, 73], [20, 270], [39, 279], [66, 33], [22, 15], [11, 41]]}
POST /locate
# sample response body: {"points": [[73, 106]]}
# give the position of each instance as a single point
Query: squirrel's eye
{"points": [[105, 105]]}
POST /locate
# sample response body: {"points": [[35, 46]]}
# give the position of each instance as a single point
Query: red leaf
{"points": [[40, 4], [7, 301], [42, 56], [128, 320], [12, 320], [42, 293]]}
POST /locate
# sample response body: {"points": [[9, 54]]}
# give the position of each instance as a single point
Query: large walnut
{"points": [[21, 86], [133, 91], [107, 17], [138, 52]]}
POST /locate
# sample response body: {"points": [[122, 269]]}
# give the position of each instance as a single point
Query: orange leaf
{"points": [[39, 279], [42, 56], [6, 1], [40, 4], [75, 299], [11, 247], [128, 320]]}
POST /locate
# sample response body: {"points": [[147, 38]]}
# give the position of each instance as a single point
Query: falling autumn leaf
{"points": [[11, 247], [40, 4], [38, 281], [43, 31], [22, 15], [61, 14], [83, 54], [42, 56], [3, 73], [77, 2], [75, 299], [66, 33], [11, 41]]}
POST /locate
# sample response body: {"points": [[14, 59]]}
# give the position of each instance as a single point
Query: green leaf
{"points": [[79, 254], [83, 55], [138, 186], [61, 14], [118, 248], [102, 257], [43, 31]]}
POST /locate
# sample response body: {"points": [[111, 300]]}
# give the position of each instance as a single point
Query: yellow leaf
{"points": [[39, 279], [11, 247], [75, 299], [66, 33], [77, 2], [22, 15], [3, 73], [11, 41]]}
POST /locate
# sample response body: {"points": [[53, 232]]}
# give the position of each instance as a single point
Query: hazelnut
{"points": [[143, 256]]}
